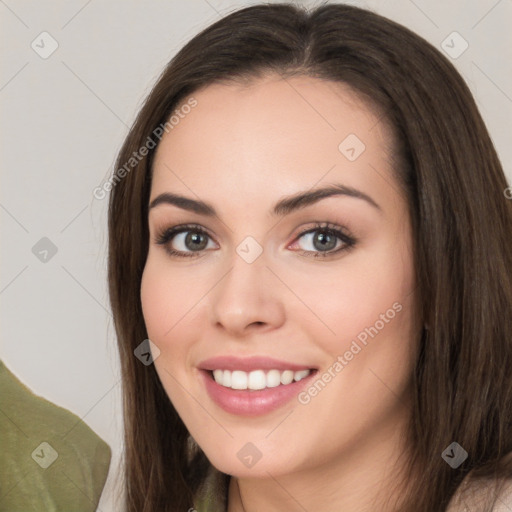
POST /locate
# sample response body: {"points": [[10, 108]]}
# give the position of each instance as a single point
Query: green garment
{"points": [[213, 497], [50, 460]]}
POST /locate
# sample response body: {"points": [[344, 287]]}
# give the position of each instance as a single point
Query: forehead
{"points": [[273, 133]]}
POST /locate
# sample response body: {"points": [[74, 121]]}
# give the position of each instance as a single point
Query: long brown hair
{"points": [[462, 224]]}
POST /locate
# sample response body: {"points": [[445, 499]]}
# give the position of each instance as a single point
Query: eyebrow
{"points": [[283, 207]]}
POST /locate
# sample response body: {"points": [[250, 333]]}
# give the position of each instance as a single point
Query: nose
{"points": [[247, 299]]}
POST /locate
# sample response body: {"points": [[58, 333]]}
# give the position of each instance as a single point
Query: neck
{"points": [[362, 478]]}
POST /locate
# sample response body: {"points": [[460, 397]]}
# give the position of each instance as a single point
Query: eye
{"points": [[191, 240], [324, 240], [185, 240]]}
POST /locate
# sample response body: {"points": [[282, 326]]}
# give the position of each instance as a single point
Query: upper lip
{"points": [[249, 364]]}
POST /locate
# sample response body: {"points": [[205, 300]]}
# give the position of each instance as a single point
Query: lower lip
{"points": [[252, 403]]}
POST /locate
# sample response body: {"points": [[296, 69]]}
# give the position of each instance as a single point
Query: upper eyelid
{"points": [[180, 228]]}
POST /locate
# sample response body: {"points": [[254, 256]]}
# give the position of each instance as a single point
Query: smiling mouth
{"points": [[257, 379]]}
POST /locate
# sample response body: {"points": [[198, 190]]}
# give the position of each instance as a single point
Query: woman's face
{"points": [[317, 321]]}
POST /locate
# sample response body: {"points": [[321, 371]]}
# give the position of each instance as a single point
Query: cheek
{"points": [[172, 308], [352, 297], [157, 301], [168, 299], [170, 315], [165, 316]]}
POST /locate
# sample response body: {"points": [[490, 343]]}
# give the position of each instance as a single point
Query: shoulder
{"points": [[504, 497], [473, 495], [49, 455]]}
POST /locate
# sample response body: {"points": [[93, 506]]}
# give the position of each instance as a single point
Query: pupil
{"points": [[325, 241]]}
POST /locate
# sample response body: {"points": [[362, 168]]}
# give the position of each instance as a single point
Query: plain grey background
{"points": [[63, 119]]}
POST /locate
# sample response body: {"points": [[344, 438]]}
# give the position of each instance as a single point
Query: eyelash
{"points": [[166, 235]]}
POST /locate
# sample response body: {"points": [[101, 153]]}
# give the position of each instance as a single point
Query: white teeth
{"points": [[273, 378], [287, 377], [301, 374], [257, 379], [238, 380]]}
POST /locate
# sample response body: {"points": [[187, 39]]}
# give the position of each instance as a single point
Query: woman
{"points": [[308, 221]]}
